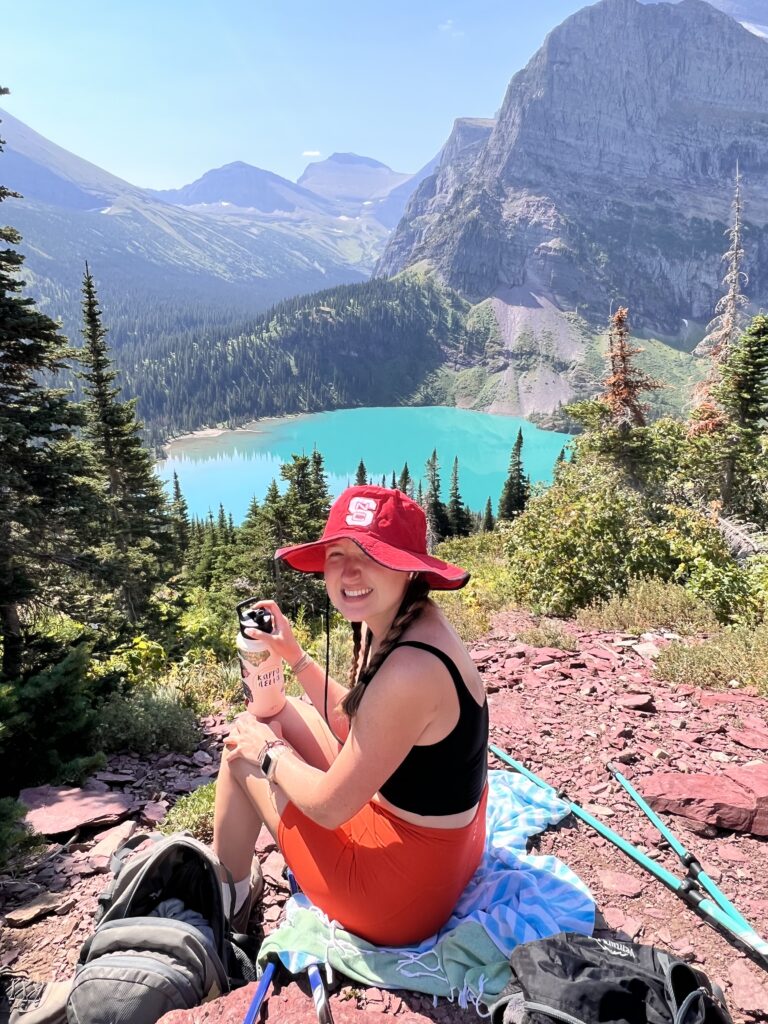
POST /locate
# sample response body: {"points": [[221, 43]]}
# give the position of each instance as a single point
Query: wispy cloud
{"points": [[448, 28], [311, 152]]}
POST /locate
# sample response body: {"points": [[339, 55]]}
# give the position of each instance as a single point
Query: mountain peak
{"points": [[354, 158], [351, 178]]}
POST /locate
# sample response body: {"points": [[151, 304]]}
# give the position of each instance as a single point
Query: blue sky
{"points": [[159, 92]]}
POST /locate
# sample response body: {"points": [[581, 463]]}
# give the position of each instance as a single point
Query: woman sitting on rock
{"points": [[384, 827]]}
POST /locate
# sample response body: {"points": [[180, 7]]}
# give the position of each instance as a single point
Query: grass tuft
{"points": [[650, 604], [739, 652]]}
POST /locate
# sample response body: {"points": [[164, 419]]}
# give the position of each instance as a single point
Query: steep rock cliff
{"points": [[608, 175]]}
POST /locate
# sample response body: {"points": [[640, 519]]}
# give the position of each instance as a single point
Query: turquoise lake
{"points": [[237, 464]]}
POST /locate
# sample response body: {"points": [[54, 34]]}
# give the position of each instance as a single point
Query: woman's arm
{"points": [[400, 703], [312, 680], [311, 676]]}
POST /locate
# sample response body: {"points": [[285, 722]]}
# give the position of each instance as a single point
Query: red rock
{"points": [[600, 653], [712, 799], [55, 810], [109, 840], [482, 655], [755, 739], [614, 917], [731, 852], [154, 811], [749, 991], [636, 702], [288, 1005], [620, 882], [717, 698], [754, 779]]}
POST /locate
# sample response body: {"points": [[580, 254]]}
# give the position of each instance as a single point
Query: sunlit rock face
{"points": [[609, 173]]}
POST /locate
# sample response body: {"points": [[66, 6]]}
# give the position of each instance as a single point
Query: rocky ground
{"points": [[564, 714]]}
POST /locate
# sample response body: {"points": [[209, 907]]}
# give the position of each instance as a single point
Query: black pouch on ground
{"points": [[574, 979], [161, 940]]}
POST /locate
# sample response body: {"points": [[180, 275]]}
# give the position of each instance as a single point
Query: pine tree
{"points": [[725, 329], [459, 519], [393, 482], [180, 519], [434, 507], [361, 477], [138, 534], [405, 481], [513, 493], [488, 520], [43, 502], [625, 383], [743, 396]]}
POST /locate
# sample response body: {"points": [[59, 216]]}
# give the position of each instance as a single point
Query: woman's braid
{"points": [[413, 604], [357, 630]]}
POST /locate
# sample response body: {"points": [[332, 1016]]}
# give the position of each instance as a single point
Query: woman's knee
{"points": [[306, 731]]}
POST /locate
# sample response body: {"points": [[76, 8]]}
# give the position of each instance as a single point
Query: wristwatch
{"points": [[269, 755]]}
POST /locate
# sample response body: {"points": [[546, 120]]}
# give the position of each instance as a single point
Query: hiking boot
{"points": [[26, 1001], [239, 920]]}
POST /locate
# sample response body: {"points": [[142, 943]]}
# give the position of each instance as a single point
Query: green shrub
{"points": [[582, 540], [145, 721], [17, 840], [483, 555], [548, 633], [588, 536], [650, 604], [193, 813], [739, 652], [756, 575], [205, 685], [48, 721]]}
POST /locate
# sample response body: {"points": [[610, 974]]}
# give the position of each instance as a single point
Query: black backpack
{"points": [[574, 979], [161, 940]]}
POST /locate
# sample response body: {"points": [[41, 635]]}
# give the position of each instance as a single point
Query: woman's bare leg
{"points": [[244, 802]]}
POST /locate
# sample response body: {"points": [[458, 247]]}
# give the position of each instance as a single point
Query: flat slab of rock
{"points": [[754, 779], [53, 810], [621, 882], [713, 799], [48, 903]]}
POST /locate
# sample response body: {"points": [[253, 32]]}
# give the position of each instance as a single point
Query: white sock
{"points": [[242, 889]]}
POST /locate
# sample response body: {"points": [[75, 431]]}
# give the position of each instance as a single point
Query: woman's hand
{"points": [[248, 737], [281, 640]]}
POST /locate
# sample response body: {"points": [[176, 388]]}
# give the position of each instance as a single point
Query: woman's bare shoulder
{"points": [[435, 630]]}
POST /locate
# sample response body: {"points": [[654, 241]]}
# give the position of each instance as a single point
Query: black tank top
{"points": [[446, 777]]}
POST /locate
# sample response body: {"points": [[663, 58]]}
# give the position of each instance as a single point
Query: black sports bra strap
{"points": [[450, 664]]}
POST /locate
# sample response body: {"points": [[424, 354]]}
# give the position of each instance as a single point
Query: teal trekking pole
{"points": [[713, 914], [696, 873]]}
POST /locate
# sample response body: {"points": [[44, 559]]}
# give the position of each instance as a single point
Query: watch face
{"points": [[266, 761]]}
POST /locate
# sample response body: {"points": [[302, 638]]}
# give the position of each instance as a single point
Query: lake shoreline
{"points": [[204, 433]]}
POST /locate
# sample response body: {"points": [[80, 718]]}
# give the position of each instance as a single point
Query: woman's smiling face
{"points": [[360, 588]]}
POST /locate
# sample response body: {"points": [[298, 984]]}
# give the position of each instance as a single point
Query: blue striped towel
{"points": [[512, 898]]}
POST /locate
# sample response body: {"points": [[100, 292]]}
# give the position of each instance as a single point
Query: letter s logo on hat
{"points": [[361, 511]]}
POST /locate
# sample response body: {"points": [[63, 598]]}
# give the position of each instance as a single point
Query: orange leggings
{"points": [[382, 878]]}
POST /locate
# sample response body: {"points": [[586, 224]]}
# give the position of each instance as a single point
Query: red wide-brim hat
{"points": [[389, 526]]}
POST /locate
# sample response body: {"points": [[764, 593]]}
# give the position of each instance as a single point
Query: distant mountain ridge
{"points": [[246, 186], [602, 182], [347, 177], [235, 241]]}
